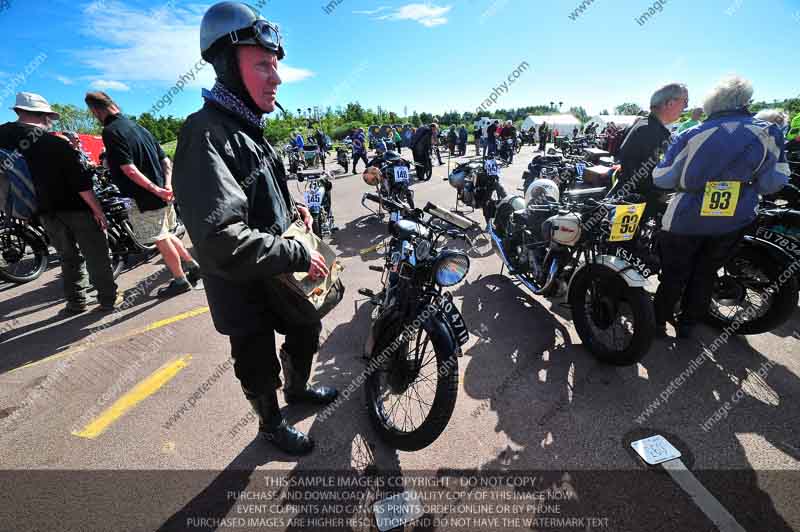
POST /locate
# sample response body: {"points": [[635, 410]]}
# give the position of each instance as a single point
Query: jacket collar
{"points": [[223, 97], [109, 119]]}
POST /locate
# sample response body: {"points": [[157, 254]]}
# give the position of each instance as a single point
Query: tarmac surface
{"points": [[135, 420]]}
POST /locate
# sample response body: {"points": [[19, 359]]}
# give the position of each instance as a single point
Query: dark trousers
{"points": [[492, 147], [81, 245], [689, 267], [358, 157], [322, 155], [256, 362], [425, 171]]}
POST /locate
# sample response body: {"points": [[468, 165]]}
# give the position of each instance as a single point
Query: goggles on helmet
{"points": [[262, 33]]}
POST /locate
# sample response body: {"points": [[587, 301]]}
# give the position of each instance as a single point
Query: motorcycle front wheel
{"points": [[749, 297], [23, 254], [616, 322], [411, 394]]}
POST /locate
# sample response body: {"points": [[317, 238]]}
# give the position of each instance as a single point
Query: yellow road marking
{"points": [[91, 344], [370, 249], [136, 395]]}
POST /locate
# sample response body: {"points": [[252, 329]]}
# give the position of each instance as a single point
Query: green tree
{"points": [[579, 113], [628, 109], [604, 112], [76, 119], [416, 121], [426, 118]]}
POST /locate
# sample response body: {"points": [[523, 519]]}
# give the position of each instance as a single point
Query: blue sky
{"points": [[424, 56]]}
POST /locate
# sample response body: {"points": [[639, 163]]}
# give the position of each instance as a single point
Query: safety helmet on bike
{"points": [[372, 176]]}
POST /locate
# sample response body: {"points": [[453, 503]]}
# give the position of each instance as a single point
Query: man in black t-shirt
{"points": [[67, 206], [143, 172]]}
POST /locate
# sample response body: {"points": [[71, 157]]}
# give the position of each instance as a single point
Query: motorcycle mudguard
{"points": [[436, 326], [628, 273], [782, 249]]}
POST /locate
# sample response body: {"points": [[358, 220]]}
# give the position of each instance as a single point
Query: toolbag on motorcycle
{"points": [[303, 299], [17, 193]]}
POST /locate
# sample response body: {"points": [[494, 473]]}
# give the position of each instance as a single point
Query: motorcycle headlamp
{"points": [[450, 268], [262, 33]]}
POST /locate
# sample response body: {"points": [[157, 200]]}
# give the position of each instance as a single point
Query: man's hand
{"points": [[307, 219], [100, 218], [318, 268], [165, 194]]}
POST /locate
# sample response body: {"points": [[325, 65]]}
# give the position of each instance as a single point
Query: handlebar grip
{"points": [[372, 197], [376, 268]]}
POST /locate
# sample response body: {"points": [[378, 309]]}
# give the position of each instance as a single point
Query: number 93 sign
{"points": [[625, 221], [720, 198]]}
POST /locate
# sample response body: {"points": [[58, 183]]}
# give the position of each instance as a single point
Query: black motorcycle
{"points": [[758, 287], [23, 249], [476, 181], [506, 150], [121, 239], [417, 332], [756, 290], [392, 181], [555, 247], [24, 245]]}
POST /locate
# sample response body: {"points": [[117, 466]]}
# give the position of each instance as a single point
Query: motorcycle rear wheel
{"points": [[28, 252], [752, 274], [397, 381], [598, 296]]}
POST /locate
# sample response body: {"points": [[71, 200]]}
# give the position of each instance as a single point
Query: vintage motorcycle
{"points": [[756, 290], [555, 246], [317, 197], [476, 181], [390, 175], [417, 332], [24, 245], [23, 249]]}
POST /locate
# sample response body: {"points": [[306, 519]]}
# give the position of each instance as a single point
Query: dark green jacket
{"points": [[231, 189]]}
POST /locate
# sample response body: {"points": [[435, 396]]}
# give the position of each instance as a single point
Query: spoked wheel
{"points": [[23, 255], [412, 393], [751, 295], [615, 321]]}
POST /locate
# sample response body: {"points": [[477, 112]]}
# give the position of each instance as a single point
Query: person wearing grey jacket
{"points": [[231, 188]]}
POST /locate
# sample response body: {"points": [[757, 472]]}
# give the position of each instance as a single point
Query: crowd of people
{"points": [[68, 210], [241, 248]]}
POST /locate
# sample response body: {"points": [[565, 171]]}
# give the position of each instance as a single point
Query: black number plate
{"points": [[455, 320]]}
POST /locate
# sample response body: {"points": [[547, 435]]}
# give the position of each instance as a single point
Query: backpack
{"points": [[17, 193]]}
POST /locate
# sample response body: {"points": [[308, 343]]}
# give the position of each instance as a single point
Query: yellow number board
{"points": [[625, 221], [721, 198]]}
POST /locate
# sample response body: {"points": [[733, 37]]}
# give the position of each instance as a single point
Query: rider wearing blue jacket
{"points": [[718, 169]]}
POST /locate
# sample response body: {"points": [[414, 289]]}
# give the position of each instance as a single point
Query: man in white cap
{"points": [[67, 207]]}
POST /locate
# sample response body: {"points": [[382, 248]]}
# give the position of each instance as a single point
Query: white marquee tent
{"points": [[619, 120], [563, 123]]}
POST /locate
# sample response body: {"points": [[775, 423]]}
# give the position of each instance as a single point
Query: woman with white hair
{"points": [[719, 169], [773, 116]]}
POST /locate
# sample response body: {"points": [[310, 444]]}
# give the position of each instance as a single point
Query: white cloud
{"points": [[102, 84], [428, 15], [371, 11], [150, 46], [291, 74], [65, 80]]}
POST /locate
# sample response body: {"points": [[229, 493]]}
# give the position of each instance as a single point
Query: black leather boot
{"points": [[295, 386], [273, 428]]}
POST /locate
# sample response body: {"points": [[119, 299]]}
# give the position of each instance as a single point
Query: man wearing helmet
{"points": [[231, 187]]}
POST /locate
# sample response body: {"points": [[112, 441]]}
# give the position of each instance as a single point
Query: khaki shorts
{"points": [[151, 226]]}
